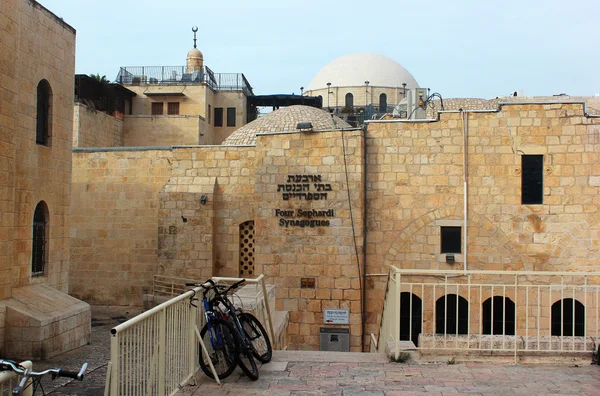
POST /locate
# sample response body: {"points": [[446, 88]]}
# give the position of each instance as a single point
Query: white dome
{"points": [[353, 70]]}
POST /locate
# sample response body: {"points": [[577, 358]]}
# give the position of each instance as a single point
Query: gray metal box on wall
{"points": [[335, 340]]}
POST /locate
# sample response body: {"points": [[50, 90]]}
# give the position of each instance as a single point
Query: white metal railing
{"points": [[518, 312], [169, 286], [9, 380], [156, 352]]}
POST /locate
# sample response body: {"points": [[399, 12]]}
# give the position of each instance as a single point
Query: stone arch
{"points": [[445, 213], [410, 319]]}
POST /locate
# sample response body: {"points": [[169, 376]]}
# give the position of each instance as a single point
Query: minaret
{"points": [[195, 60]]}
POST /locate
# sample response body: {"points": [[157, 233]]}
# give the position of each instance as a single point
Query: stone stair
{"points": [[330, 357]]}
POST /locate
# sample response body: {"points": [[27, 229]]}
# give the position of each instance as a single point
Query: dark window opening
{"points": [[44, 102], [157, 108], [495, 319], [39, 246], [209, 114], [349, 101], [231, 116], [451, 315], [451, 239], [383, 103], [573, 322], [218, 116], [532, 181], [173, 108], [410, 321]]}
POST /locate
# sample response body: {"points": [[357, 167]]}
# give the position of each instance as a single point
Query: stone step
{"points": [[331, 357]]}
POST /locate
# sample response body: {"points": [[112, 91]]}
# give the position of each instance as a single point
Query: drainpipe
{"points": [[465, 119], [364, 272]]}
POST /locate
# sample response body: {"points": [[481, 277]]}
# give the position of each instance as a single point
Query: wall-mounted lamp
{"points": [[203, 199], [450, 259]]}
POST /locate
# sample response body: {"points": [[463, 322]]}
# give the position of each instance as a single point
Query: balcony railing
{"points": [[510, 312], [169, 75]]}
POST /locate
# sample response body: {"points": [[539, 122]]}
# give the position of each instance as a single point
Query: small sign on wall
{"points": [[336, 316]]}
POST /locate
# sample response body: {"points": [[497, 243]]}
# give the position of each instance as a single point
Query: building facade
{"points": [[37, 318]]}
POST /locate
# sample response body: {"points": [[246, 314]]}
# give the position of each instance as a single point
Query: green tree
{"points": [[99, 78]]}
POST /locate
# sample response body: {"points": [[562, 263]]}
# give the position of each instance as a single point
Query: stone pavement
{"points": [[346, 374], [297, 373]]}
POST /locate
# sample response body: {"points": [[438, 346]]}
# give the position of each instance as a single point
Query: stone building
{"points": [[37, 318]]}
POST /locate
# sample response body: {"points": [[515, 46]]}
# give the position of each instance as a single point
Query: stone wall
{"points": [[145, 131], [92, 128], [114, 223], [301, 237], [415, 186], [36, 45]]}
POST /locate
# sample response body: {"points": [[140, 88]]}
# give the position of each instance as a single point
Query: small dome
{"points": [[353, 70], [285, 120], [195, 54]]}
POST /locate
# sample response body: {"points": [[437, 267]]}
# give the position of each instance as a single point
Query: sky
{"points": [[461, 48]]}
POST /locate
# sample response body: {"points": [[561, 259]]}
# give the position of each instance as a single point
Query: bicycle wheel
{"points": [[222, 348], [247, 363], [256, 333]]}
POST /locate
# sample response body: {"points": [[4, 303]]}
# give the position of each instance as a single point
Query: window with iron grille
{"points": [[44, 99], [247, 248], [173, 108], [218, 116], [157, 108], [231, 116], [451, 239], [532, 179], [38, 251]]}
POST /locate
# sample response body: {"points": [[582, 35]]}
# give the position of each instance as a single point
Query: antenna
{"points": [[195, 29]]}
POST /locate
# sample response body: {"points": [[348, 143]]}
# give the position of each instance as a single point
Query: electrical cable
{"points": [[352, 223]]}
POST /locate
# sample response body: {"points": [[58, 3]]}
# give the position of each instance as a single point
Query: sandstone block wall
{"points": [[114, 223], [146, 131], [35, 45], [93, 128], [329, 164], [415, 186]]}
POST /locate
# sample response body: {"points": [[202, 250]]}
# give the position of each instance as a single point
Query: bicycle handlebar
{"points": [[210, 282], [26, 373]]}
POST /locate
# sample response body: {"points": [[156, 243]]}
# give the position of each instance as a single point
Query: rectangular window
{"points": [[231, 116], [157, 108], [532, 182], [451, 239], [218, 116], [209, 114], [173, 108]]}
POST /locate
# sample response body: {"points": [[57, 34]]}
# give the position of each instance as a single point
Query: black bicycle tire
{"points": [[250, 369], [232, 362], [261, 333]]}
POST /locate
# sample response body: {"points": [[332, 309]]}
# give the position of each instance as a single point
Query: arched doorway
{"points": [[448, 309], [502, 312], [410, 320], [573, 322]]}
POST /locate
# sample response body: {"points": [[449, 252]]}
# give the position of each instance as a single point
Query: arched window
{"points": [[410, 319], [39, 251], [382, 103], [43, 116], [448, 309], [247, 248], [499, 316], [573, 320], [349, 101]]}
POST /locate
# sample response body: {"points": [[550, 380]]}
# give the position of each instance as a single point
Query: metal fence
{"points": [[517, 312], [157, 352], [168, 75], [9, 380]]}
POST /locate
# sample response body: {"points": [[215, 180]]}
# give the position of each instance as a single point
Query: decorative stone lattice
{"points": [[247, 248]]}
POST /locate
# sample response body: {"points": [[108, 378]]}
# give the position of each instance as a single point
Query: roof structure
{"points": [[354, 69], [285, 119]]}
